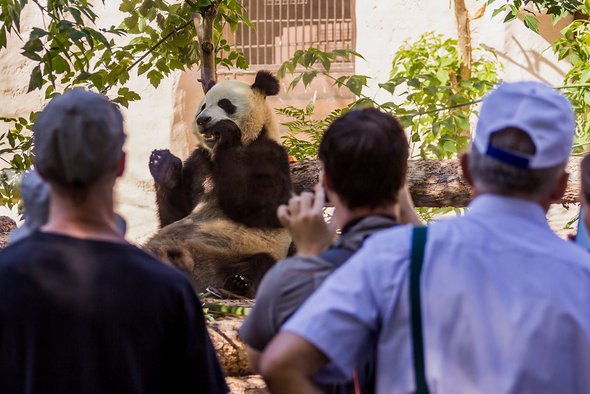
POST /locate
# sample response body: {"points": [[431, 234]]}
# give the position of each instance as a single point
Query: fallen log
{"points": [[231, 351], [6, 226], [432, 183], [252, 384]]}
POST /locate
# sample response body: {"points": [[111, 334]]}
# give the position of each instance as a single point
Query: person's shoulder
{"points": [[11, 253], [287, 272], [294, 264], [392, 239], [570, 251], [290, 281], [155, 268]]}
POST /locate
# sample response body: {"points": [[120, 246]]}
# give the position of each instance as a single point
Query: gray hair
{"points": [[500, 178]]}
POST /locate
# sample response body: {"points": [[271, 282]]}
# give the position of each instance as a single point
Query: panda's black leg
{"points": [[244, 277]]}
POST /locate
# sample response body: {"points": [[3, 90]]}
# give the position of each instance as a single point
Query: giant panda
{"points": [[217, 210]]}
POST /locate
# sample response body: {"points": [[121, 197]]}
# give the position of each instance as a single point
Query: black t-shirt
{"points": [[88, 316]]}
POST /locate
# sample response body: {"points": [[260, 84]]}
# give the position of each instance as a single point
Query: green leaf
{"points": [[449, 146], [532, 23], [155, 78], [356, 84], [143, 68], [295, 81], [77, 15], [59, 64], [585, 76], [33, 45], [389, 86], [2, 37], [308, 77], [100, 38], [242, 63], [36, 80], [142, 24], [325, 60], [443, 76]]}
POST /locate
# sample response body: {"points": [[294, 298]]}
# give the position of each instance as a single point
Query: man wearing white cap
{"points": [[491, 302], [82, 310]]}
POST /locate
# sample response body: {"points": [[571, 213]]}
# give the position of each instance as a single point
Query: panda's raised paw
{"points": [[165, 168], [227, 133]]}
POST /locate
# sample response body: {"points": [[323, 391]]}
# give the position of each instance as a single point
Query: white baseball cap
{"points": [[538, 110]]}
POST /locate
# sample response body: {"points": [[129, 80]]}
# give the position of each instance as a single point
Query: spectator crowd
{"points": [[489, 302]]}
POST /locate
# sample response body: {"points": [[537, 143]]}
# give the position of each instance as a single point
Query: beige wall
{"points": [[384, 25], [163, 117]]}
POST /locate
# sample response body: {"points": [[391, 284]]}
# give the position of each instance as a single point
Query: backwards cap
{"points": [[538, 110], [78, 138]]}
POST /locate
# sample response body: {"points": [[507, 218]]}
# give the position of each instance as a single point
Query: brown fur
{"points": [[218, 209]]}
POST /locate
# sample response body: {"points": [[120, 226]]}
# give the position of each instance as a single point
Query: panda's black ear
{"points": [[266, 83]]}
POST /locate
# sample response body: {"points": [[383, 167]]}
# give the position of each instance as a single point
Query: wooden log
{"points": [[432, 183], [231, 351], [6, 226], [252, 384]]}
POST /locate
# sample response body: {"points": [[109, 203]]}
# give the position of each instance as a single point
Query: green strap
{"points": [[418, 245]]}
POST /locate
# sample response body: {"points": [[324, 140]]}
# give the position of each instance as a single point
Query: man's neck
{"points": [[545, 204], [344, 216], [93, 218]]}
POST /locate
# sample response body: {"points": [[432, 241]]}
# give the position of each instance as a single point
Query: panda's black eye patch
{"points": [[227, 106]]}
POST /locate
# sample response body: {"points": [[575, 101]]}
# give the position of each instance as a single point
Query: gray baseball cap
{"points": [[78, 138]]}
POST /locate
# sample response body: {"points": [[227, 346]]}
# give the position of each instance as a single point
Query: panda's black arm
{"points": [[252, 181], [172, 204], [179, 187]]}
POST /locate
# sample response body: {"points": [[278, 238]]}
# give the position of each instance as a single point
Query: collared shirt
{"points": [[505, 306]]}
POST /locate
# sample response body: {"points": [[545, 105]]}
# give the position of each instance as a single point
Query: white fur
{"points": [[252, 109]]}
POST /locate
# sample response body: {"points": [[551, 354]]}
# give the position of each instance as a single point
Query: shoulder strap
{"points": [[337, 255], [417, 258]]}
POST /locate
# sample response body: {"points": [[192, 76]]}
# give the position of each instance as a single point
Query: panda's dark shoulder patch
{"points": [[266, 83]]}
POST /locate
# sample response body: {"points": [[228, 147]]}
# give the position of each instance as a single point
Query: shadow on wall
{"points": [[539, 63], [535, 62]]}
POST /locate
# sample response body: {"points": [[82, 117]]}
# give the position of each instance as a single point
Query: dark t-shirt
{"points": [[88, 316]]}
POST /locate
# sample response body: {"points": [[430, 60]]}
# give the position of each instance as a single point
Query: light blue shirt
{"points": [[505, 306]]}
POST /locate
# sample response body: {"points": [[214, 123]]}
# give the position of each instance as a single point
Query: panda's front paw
{"points": [[227, 133], [165, 168]]}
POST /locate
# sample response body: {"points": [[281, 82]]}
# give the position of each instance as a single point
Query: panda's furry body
{"points": [[218, 209]]}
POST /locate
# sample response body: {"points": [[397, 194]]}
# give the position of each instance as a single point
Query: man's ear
{"points": [[325, 180], [404, 175], [560, 187], [121, 165], [465, 168]]}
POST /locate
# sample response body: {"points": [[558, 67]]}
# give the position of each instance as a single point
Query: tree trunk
{"points": [[432, 183], [464, 38], [204, 27]]}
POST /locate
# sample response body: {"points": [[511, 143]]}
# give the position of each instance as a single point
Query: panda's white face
{"points": [[233, 100]]}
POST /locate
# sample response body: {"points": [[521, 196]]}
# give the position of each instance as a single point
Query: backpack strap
{"points": [[417, 259]]}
